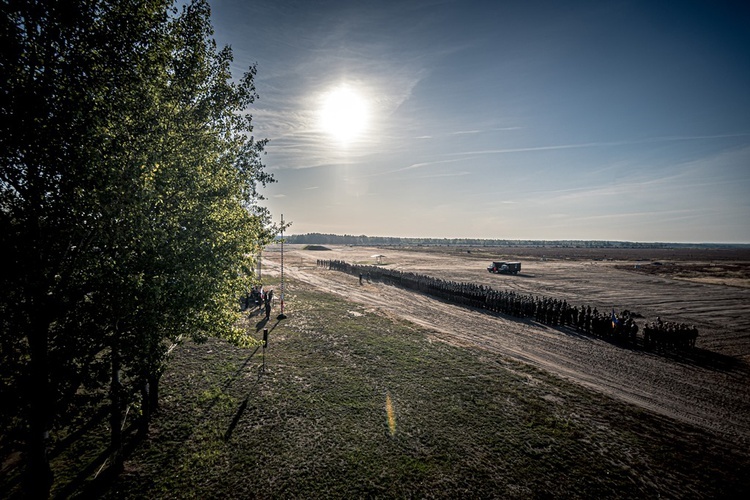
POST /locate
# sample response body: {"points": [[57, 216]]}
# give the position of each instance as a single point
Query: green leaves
{"points": [[128, 190]]}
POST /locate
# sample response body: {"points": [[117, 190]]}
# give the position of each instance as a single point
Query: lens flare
{"points": [[390, 414]]}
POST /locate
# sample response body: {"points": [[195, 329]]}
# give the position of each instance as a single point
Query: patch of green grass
{"points": [[314, 423]]}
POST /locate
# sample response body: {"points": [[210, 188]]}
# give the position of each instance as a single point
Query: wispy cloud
{"points": [[480, 131], [528, 149], [601, 144], [414, 166], [672, 214], [690, 137], [448, 174]]}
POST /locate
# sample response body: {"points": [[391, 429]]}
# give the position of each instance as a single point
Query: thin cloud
{"points": [[480, 131], [450, 174], [424, 164], [682, 213], [413, 166], [603, 144], [535, 148], [691, 137]]}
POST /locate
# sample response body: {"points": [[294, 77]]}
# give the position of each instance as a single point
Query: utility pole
{"points": [[282, 315]]}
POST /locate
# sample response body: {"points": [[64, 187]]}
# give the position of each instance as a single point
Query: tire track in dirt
{"points": [[713, 399]]}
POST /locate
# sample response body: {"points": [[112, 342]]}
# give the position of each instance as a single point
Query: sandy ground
{"points": [[707, 388]]}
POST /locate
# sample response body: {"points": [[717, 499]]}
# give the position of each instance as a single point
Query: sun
{"points": [[344, 114]]}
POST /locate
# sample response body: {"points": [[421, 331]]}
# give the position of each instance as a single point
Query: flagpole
{"points": [[282, 315]]}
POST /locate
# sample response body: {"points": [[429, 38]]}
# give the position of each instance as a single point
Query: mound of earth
{"points": [[315, 248]]}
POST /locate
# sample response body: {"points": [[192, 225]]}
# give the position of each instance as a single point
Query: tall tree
{"points": [[128, 202]]}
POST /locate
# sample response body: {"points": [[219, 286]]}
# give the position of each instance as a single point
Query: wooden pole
{"points": [[282, 315]]}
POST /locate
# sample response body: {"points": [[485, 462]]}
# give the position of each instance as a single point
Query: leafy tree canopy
{"points": [[129, 200]]}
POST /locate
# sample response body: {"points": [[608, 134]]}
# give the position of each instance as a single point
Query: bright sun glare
{"points": [[344, 114]]}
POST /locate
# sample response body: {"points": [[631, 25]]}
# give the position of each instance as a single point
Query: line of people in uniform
{"points": [[619, 326], [669, 335]]}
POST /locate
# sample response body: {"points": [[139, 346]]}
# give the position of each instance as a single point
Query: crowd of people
{"points": [[617, 326], [669, 334]]}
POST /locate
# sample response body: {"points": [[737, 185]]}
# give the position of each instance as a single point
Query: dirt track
{"points": [[709, 388]]}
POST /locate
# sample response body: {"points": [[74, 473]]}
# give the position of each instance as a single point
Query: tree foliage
{"points": [[347, 239], [128, 204]]}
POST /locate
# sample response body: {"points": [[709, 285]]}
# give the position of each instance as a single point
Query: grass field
{"points": [[354, 404]]}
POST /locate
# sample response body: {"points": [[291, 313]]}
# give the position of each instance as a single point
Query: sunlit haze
{"points": [[606, 120]]}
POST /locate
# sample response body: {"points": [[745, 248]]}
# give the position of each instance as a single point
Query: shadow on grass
{"points": [[236, 374], [82, 486], [71, 438], [240, 411], [15, 471], [261, 370]]}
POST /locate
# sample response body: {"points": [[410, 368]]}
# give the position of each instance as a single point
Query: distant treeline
{"points": [[348, 239]]}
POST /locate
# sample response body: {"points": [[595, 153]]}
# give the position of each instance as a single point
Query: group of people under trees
{"points": [[259, 298], [620, 327]]}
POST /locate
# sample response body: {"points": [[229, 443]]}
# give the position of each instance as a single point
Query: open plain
{"points": [[371, 391], [707, 387]]}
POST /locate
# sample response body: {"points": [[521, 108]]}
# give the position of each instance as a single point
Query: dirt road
{"points": [[709, 388]]}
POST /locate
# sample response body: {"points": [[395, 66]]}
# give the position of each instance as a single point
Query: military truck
{"points": [[504, 267]]}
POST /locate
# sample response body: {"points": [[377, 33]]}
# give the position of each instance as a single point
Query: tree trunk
{"points": [[39, 475], [145, 419], [117, 411], [153, 386]]}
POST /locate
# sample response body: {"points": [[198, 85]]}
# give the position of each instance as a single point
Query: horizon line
{"points": [[537, 240]]}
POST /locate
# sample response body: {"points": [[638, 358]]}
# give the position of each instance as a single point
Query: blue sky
{"points": [[614, 120]]}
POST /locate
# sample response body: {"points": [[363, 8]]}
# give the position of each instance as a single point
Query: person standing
{"points": [[269, 299]]}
